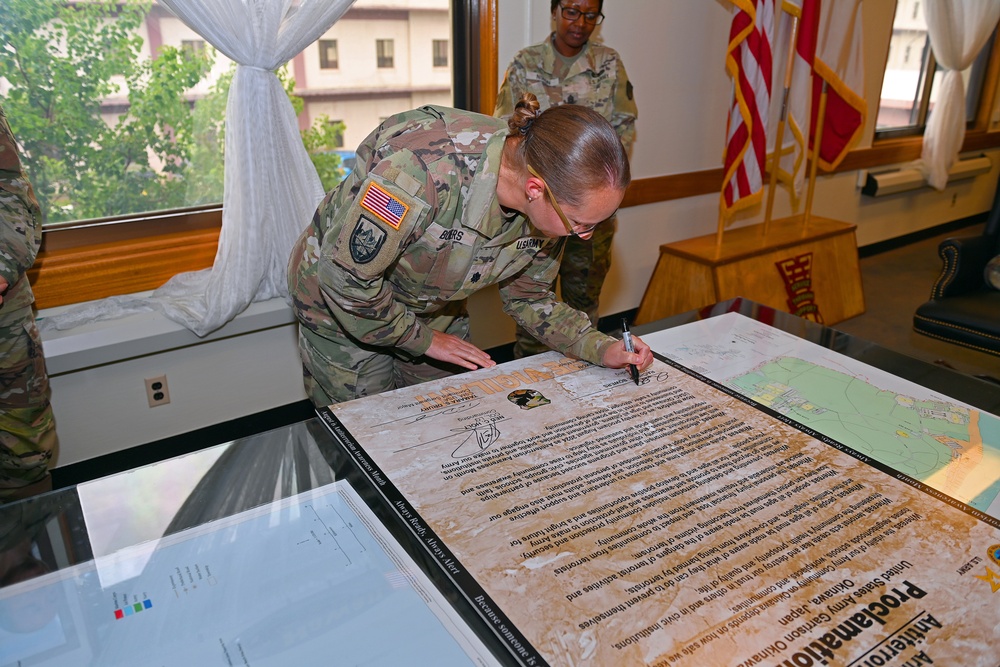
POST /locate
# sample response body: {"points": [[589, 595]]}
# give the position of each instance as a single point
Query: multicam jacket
{"points": [[417, 225], [20, 223], [595, 79]]}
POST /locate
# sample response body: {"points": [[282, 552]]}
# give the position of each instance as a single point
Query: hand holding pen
{"points": [[620, 356], [629, 347]]}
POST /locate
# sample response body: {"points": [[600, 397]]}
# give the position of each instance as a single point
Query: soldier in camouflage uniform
{"points": [[28, 444], [440, 205], [568, 69]]}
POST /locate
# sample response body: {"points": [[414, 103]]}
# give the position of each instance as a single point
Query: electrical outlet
{"points": [[156, 391]]}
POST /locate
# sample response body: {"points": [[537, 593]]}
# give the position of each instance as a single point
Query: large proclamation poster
{"points": [[950, 446], [592, 521]]}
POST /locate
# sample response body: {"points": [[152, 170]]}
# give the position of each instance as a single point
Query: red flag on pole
{"points": [[840, 62], [748, 62]]}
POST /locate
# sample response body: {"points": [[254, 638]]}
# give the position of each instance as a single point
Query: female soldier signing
{"points": [[441, 204]]}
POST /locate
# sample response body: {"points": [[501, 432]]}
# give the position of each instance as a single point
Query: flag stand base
{"points": [[809, 269]]}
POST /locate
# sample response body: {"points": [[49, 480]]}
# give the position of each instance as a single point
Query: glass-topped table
{"points": [[253, 552], [271, 550]]}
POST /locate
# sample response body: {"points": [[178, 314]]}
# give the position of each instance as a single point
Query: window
{"points": [[162, 182], [909, 87], [193, 46], [384, 52], [440, 48], [338, 133], [328, 54], [120, 162]]}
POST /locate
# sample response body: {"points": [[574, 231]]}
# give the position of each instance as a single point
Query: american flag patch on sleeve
{"points": [[384, 205]]}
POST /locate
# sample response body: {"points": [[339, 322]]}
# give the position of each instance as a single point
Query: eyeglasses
{"points": [[591, 18], [584, 230]]}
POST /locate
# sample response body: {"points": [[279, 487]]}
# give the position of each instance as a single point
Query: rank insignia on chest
{"points": [[366, 240], [387, 208]]}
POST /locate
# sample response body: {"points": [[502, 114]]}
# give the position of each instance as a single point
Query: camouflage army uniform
{"points": [[394, 251], [594, 78], [28, 442]]}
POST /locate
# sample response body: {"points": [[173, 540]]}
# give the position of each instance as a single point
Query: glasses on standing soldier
{"points": [[571, 14], [584, 229]]}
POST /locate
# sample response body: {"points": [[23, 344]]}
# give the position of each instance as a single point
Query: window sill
{"points": [[142, 334], [61, 276]]}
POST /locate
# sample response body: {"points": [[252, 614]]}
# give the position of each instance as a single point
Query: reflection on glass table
{"points": [[248, 553]]}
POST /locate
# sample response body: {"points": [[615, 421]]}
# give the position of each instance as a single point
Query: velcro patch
{"points": [[383, 205], [366, 240]]}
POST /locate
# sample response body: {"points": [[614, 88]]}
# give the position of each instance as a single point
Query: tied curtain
{"points": [[958, 30], [271, 188]]}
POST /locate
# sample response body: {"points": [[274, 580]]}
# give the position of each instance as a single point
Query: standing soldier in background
{"points": [[28, 443], [567, 69]]}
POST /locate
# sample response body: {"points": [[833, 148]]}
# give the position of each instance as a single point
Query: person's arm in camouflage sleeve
{"points": [[510, 90], [356, 292], [529, 300], [20, 215], [625, 110], [504, 107]]}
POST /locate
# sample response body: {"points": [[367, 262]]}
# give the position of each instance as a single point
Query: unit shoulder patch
{"points": [[367, 238]]}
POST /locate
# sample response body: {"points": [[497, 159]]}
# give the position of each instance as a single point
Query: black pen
{"points": [[627, 339]]}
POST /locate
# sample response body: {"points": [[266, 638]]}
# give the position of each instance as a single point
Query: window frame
{"points": [[194, 45], [439, 45], [110, 258], [926, 85], [324, 60], [383, 61], [138, 253]]}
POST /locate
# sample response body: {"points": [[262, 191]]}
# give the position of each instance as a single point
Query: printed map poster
{"points": [[950, 446], [313, 579], [592, 521]]}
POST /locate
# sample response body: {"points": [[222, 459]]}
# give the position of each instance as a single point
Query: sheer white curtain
{"points": [[958, 30], [271, 187]]}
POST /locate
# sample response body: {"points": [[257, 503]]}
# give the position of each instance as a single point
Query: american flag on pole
{"points": [[795, 138], [748, 62]]}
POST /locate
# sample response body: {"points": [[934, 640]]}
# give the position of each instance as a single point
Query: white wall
{"points": [[98, 371], [674, 55]]}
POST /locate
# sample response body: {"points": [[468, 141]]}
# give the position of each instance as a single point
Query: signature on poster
{"points": [[475, 437], [480, 436]]}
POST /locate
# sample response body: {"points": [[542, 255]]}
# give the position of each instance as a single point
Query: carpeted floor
{"points": [[895, 282]]}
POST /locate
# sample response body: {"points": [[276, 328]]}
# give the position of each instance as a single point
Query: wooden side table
{"points": [[810, 270]]}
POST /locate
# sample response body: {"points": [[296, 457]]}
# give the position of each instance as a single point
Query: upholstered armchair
{"points": [[963, 308]]}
